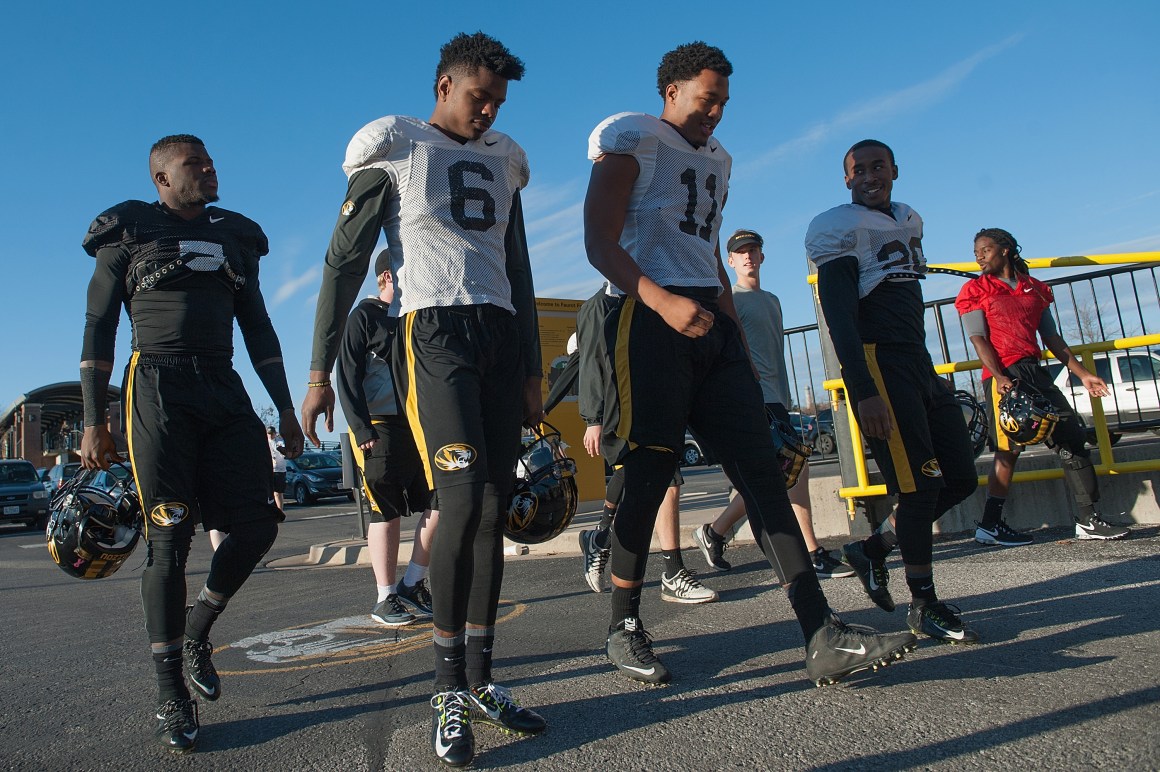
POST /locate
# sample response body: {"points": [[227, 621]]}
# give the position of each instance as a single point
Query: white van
{"points": [[1133, 378]]}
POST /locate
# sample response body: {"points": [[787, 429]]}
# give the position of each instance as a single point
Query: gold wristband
{"points": [[317, 384]]}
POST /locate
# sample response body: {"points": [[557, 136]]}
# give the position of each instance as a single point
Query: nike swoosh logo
{"points": [[860, 650], [873, 584], [489, 144], [190, 735], [640, 670], [440, 747], [956, 634], [216, 219]]}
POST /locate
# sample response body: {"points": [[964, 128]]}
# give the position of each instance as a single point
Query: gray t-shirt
{"points": [[760, 314]]}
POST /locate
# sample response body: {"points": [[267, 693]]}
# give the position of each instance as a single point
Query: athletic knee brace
{"points": [[647, 475], [1080, 475]]}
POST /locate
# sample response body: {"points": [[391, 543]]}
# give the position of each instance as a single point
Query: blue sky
{"points": [[1037, 117]]}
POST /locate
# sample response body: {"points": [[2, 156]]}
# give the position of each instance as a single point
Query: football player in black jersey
{"points": [[446, 192], [869, 259], [184, 271], [652, 220]]}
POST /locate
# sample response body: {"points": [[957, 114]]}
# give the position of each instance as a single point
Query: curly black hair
{"points": [[686, 62], [1005, 239], [159, 153], [470, 52], [867, 143]]}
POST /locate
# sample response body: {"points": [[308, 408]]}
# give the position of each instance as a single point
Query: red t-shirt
{"points": [[1012, 313]]}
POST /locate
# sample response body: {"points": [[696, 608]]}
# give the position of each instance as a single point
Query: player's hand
{"points": [[686, 316], [368, 444], [1003, 383], [97, 448], [874, 418], [292, 441], [592, 439], [533, 402], [1095, 385], [319, 400]]}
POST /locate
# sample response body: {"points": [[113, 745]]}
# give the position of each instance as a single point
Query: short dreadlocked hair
{"points": [[686, 62], [471, 52], [868, 143], [1005, 239]]}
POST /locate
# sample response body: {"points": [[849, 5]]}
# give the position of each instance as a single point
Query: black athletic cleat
{"points": [[451, 735], [838, 649], [1094, 527], [826, 566], [1000, 535], [199, 669], [629, 647], [939, 622], [493, 704], [873, 575], [417, 597], [177, 725], [595, 560], [712, 547]]}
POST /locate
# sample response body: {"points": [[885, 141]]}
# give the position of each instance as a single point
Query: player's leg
{"points": [[827, 565], [596, 543], [678, 583], [993, 529]]}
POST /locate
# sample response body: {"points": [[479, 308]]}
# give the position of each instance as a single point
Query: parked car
{"points": [[315, 475], [1133, 378], [696, 454], [825, 443], [22, 494], [62, 473]]}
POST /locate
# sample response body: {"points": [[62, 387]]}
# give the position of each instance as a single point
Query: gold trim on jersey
{"points": [[898, 456], [130, 383], [623, 373], [360, 461], [1002, 441], [411, 402]]}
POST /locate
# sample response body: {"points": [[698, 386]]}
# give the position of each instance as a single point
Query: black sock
{"points": [[170, 684], [878, 546], [202, 614], [450, 664], [921, 589], [673, 562], [993, 511], [625, 603], [479, 644]]}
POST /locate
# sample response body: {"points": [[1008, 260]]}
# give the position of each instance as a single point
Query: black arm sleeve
{"points": [[519, 273], [261, 340], [590, 345], [352, 368], [347, 259], [838, 295], [102, 314]]}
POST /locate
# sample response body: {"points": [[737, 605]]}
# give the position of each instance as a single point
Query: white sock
{"points": [[415, 573], [384, 591]]}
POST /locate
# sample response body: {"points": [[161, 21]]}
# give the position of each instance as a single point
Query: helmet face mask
{"points": [[91, 533], [976, 418], [1026, 416], [544, 497]]}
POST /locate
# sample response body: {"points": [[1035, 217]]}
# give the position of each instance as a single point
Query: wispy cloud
{"points": [[1149, 243], [890, 105], [289, 288]]}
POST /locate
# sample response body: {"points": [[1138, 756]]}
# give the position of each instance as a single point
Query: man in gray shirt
{"points": [[760, 315]]}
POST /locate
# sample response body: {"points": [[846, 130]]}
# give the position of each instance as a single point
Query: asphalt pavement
{"points": [[1068, 675]]}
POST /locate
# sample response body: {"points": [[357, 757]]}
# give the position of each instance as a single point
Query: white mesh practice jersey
{"points": [[448, 211], [674, 211], [887, 248]]}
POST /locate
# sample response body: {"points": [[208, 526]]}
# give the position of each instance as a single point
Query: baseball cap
{"points": [[743, 237], [382, 262]]}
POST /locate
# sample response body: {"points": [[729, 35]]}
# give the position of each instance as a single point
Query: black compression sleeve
{"points": [[519, 273], [261, 339], [103, 311], [838, 295], [347, 260], [95, 394]]}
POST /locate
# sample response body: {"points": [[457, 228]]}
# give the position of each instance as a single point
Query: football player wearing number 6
{"points": [[869, 259], [446, 191], [676, 357]]}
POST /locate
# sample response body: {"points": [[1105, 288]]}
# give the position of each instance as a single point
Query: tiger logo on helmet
{"points": [[544, 498], [1026, 416], [92, 532]]}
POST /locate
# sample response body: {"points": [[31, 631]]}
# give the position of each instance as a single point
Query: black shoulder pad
{"points": [[109, 228], [250, 234]]}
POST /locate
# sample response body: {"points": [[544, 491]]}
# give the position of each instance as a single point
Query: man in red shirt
{"points": [[1002, 311]]}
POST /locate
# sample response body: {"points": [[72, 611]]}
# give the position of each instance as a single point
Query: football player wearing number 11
{"points": [[446, 191], [652, 220]]}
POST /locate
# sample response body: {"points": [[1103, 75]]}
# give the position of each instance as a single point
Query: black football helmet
{"points": [[1026, 416], [792, 452], [976, 418], [545, 497], [91, 532]]}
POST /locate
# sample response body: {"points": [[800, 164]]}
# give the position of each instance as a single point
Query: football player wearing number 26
{"points": [[869, 259], [446, 192]]}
